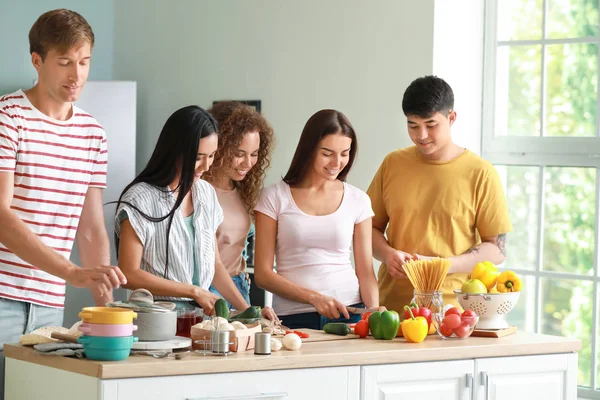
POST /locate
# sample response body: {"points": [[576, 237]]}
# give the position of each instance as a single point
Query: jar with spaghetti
{"points": [[434, 301], [427, 277]]}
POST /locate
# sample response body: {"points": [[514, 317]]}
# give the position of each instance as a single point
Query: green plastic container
{"points": [[104, 348]]}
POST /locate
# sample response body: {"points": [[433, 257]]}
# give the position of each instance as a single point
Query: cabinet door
{"points": [[548, 377], [424, 381], [338, 383]]}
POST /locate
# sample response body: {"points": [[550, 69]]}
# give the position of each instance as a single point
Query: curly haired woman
{"points": [[241, 161]]}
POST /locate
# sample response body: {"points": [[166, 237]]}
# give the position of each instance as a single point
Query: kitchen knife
{"points": [[356, 310]]}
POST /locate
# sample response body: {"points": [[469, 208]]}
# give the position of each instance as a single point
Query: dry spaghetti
{"points": [[427, 276]]}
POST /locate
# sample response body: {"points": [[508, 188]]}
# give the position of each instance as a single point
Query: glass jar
{"points": [[434, 301], [186, 318]]}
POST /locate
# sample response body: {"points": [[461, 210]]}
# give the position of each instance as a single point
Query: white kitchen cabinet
{"points": [[426, 381], [293, 384], [548, 377]]}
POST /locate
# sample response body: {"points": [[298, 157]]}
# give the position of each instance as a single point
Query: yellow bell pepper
{"points": [[486, 272], [508, 281], [414, 329]]}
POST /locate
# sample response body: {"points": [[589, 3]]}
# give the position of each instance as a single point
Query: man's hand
{"points": [[99, 279], [395, 263]]}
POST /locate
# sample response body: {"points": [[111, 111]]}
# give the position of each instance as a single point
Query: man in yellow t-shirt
{"points": [[434, 199]]}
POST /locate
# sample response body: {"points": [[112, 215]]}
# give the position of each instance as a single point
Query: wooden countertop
{"points": [[311, 355]]}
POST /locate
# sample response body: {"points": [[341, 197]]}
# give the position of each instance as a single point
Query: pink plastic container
{"points": [[108, 330]]}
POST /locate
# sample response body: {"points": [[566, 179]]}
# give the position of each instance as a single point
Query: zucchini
{"points": [[249, 313], [221, 309], [337, 328]]}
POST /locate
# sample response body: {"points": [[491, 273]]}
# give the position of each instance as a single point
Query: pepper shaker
{"points": [[262, 343]]}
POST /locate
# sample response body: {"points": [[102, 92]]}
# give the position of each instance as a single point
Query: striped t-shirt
{"points": [[158, 202], [54, 163]]}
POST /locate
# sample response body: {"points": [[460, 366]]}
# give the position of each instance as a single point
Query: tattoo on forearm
{"points": [[501, 243], [473, 250]]}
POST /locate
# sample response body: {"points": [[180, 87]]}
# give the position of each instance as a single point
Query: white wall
{"points": [[296, 56]]}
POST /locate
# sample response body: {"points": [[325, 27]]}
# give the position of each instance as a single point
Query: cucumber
{"points": [[337, 328], [249, 313], [221, 309]]}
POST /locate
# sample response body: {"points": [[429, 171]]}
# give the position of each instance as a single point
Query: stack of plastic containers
{"points": [[107, 332]]}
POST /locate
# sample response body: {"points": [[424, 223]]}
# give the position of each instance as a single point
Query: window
{"points": [[541, 128]]}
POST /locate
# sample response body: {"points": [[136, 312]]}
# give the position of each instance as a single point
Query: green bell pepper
{"points": [[384, 325]]}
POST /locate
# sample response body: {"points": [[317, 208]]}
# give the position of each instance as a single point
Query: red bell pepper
{"points": [[303, 335], [419, 312]]}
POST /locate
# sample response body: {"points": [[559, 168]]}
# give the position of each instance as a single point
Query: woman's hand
{"points": [[206, 300], [329, 307], [269, 313]]}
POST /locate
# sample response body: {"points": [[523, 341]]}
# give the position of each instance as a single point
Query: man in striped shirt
{"points": [[53, 162]]}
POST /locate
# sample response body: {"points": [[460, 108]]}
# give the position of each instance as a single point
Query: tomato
{"points": [[462, 331], [452, 310], [445, 330], [362, 329], [452, 321], [471, 321], [365, 316], [468, 313]]}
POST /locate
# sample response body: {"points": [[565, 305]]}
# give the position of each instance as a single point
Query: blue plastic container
{"points": [[103, 348]]}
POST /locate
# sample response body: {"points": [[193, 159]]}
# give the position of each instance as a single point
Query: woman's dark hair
{"points": [[321, 124], [175, 153], [426, 96]]}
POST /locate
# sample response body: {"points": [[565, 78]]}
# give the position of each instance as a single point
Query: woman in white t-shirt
{"points": [[308, 225], [167, 218], [237, 174]]}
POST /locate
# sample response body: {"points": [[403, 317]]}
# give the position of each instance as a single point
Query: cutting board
{"points": [[494, 333], [321, 336]]}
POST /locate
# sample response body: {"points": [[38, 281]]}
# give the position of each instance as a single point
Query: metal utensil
{"points": [[356, 310], [139, 306]]}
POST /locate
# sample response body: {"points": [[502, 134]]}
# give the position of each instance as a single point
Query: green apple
{"points": [[473, 286]]}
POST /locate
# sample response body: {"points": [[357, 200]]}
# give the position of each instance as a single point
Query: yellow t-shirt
{"points": [[435, 209]]}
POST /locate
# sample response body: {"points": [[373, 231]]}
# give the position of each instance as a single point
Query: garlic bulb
{"points": [[275, 344]]}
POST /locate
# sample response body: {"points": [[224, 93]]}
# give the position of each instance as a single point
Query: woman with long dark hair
{"points": [[167, 218], [241, 162], [312, 221]]}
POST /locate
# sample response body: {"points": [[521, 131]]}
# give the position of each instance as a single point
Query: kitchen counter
{"points": [[311, 355]]}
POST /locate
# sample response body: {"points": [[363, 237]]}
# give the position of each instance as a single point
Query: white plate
{"points": [[177, 342]]}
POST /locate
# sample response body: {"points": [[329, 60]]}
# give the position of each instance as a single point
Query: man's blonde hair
{"points": [[60, 30]]}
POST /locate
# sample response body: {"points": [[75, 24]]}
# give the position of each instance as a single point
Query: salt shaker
{"points": [[219, 341], [262, 343]]}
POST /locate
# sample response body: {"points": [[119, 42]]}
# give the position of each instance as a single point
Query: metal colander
{"points": [[492, 308]]}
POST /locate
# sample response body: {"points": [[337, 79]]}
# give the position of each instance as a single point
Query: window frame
{"points": [[541, 152]]}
